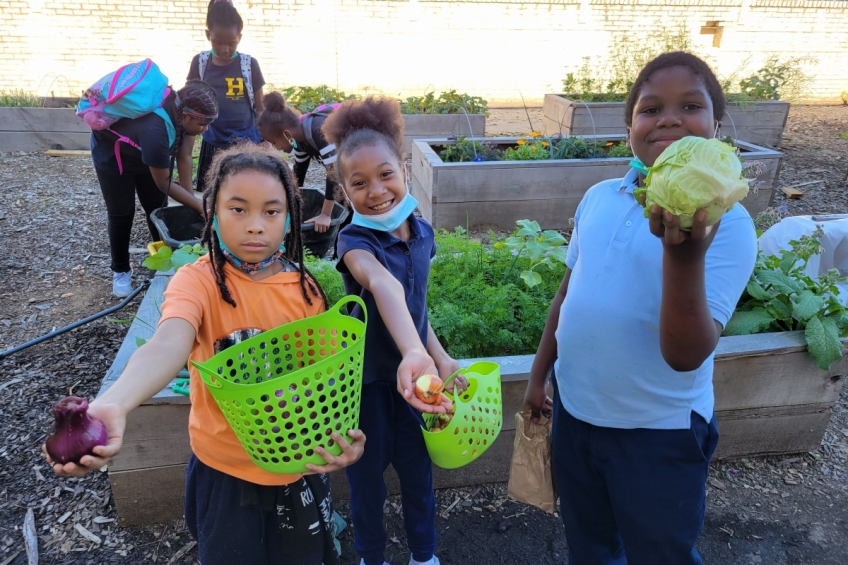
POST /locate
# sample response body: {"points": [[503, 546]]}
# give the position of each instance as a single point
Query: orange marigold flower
{"points": [[533, 148], [535, 134], [545, 144], [520, 142]]}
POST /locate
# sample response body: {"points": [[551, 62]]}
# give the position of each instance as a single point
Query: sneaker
{"points": [[433, 561], [122, 284]]}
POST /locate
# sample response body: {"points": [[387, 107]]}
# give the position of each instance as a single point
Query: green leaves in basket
{"points": [[780, 296]]}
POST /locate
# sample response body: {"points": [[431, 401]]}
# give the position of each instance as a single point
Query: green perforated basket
{"points": [[286, 390], [476, 423]]}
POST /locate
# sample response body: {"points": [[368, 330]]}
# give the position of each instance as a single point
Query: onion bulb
{"points": [[76, 433]]}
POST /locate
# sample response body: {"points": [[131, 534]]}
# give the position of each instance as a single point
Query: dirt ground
{"points": [[54, 270]]}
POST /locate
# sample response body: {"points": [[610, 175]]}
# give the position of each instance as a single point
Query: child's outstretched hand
{"points": [[413, 365], [351, 452], [447, 367], [682, 245], [116, 421]]}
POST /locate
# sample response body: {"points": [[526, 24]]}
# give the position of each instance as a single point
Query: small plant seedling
{"points": [[165, 259], [542, 247]]}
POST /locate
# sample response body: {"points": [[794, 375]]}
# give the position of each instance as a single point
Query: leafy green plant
{"points": [[777, 79], [619, 149], [327, 276], [534, 148], [767, 218], [610, 80], [165, 259], [467, 150], [781, 297], [842, 135], [478, 304], [307, 98], [543, 248], [449, 102], [18, 99]]}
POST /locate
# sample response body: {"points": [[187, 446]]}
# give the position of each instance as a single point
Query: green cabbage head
{"points": [[694, 173]]}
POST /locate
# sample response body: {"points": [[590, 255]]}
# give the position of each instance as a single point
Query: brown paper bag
{"points": [[530, 478]]}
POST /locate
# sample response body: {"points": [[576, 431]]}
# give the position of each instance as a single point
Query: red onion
{"points": [[77, 433]]}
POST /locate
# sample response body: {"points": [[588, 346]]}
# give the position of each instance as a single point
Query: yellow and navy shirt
{"points": [[235, 113]]}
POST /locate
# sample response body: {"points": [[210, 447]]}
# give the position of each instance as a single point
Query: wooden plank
{"points": [[68, 153], [792, 193], [551, 214], [143, 326], [783, 429], [149, 496], [42, 120], [525, 180], [42, 141], [775, 380], [156, 436], [417, 126]]}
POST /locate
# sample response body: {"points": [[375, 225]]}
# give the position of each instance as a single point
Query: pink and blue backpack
{"points": [[132, 91]]}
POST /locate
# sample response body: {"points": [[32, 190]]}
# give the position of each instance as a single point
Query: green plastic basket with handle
{"points": [[476, 423], [286, 390]]}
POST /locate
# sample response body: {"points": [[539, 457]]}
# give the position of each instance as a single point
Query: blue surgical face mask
{"points": [[388, 221]]}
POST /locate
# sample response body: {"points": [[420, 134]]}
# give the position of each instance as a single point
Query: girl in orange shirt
{"points": [[252, 280]]}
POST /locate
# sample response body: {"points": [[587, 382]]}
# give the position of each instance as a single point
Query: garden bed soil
{"points": [[54, 270]]}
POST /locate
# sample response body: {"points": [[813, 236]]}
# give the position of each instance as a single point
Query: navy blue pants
{"points": [[631, 497], [393, 431], [228, 533]]}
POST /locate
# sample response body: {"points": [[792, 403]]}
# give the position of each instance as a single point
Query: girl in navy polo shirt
{"points": [[237, 81], [634, 425], [384, 257]]}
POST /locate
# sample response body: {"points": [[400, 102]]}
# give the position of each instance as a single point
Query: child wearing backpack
{"points": [[631, 336], [287, 129], [236, 79], [384, 257], [252, 280], [134, 146]]}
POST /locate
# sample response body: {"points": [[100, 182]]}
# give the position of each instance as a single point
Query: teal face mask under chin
{"points": [[637, 164], [243, 266], [235, 54]]}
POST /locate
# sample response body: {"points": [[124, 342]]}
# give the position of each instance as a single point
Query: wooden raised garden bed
{"points": [[418, 126], [499, 193], [760, 123], [770, 398], [40, 129]]}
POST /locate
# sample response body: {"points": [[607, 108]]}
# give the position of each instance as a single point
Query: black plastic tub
{"points": [[177, 225], [320, 243]]}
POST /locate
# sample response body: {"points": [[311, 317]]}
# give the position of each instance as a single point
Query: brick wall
{"points": [[494, 48]]}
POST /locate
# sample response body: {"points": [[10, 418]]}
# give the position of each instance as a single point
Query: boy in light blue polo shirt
{"points": [[631, 337]]}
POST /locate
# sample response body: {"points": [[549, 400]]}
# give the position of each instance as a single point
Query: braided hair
{"points": [[278, 116], [222, 13], [244, 157], [356, 123], [696, 66], [198, 96]]}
